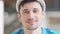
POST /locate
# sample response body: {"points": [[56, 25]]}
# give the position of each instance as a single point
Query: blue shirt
{"points": [[44, 31]]}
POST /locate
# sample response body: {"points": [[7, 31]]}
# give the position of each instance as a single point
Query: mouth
{"points": [[31, 22]]}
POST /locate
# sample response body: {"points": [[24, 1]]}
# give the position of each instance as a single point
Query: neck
{"points": [[36, 31]]}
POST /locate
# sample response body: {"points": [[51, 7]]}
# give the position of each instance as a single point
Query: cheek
{"points": [[23, 17], [39, 17], [23, 20]]}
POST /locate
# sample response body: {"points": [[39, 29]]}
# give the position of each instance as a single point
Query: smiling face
{"points": [[31, 15]]}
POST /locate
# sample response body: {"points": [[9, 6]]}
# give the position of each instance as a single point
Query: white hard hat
{"points": [[41, 1]]}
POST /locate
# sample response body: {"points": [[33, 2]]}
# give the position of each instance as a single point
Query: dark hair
{"points": [[28, 1]]}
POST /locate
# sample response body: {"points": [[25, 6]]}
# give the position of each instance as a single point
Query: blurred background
{"points": [[12, 23]]}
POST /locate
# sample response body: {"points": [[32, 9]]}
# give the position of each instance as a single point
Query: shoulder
{"points": [[17, 31], [50, 31]]}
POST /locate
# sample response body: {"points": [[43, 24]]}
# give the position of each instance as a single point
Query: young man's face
{"points": [[31, 15]]}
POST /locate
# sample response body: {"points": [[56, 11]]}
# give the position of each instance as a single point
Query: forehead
{"points": [[31, 5]]}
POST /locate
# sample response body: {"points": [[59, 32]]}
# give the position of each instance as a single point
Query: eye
{"points": [[25, 12], [36, 11]]}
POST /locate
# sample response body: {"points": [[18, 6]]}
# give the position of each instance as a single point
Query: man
{"points": [[31, 14]]}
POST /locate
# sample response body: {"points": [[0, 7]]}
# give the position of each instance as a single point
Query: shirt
{"points": [[44, 31]]}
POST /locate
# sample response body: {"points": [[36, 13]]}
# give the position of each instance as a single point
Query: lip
{"points": [[31, 22]]}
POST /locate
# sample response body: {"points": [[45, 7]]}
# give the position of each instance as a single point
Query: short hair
{"points": [[20, 3]]}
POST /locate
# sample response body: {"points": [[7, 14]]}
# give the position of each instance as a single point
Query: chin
{"points": [[31, 28]]}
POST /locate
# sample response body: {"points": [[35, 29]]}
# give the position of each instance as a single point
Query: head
{"points": [[31, 13]]}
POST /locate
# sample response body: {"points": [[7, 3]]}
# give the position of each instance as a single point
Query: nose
{"points": [[31, 15]]}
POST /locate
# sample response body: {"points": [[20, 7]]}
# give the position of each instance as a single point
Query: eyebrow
{"points": [[36, 8], [25, 9]]}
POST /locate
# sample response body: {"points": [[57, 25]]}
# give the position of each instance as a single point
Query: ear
{"points": [[43, 14], [19, 17]]}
